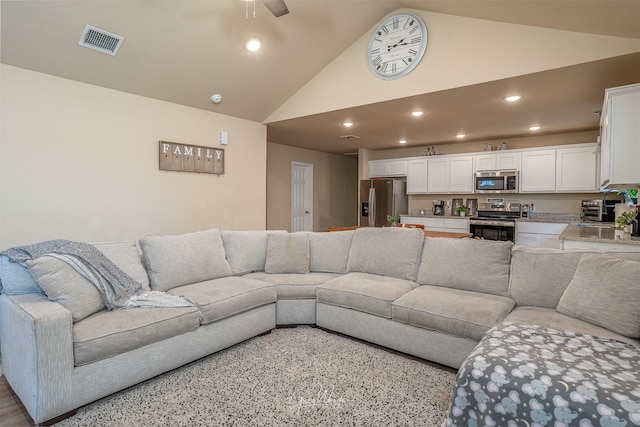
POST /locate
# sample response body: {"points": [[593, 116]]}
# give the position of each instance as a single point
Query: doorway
{"points": [[301, 197]]}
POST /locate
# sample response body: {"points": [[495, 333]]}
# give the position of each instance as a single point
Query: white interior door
{"points": [[301, 197]]}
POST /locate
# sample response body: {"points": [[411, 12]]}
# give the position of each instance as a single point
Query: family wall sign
{"points": [[191, 158]]}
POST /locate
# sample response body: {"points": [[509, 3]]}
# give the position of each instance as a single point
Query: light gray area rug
{"points": [[292, 377]]}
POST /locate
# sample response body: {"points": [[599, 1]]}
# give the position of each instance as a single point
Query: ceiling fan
{"points": [[277, 7]]}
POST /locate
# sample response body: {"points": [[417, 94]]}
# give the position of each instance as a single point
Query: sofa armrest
{"points": [[37, 353]]}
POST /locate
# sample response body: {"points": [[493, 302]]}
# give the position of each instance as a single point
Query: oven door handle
{"points": [[492, 222]]}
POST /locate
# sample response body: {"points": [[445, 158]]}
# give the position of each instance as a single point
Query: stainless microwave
{"points": [[493, 182]]}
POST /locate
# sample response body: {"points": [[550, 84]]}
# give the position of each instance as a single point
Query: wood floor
{"points": [[12, 413]]}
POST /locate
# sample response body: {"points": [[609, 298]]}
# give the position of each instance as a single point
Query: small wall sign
{"points": [[191, 158]]}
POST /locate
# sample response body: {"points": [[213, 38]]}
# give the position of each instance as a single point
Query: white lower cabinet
{"points": [[539, 234], [453, 225]]}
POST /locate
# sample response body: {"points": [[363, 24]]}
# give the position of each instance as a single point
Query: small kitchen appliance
{"points": [[495, 221], [495, 182], [598, 210], [438, 207]]}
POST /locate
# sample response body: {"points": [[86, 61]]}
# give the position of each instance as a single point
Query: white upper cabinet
{"points": [[438, 175], [576, 169], [620, 137], [387, 167], [505, 160], [461, 174], [417, 176], [538, 172]]}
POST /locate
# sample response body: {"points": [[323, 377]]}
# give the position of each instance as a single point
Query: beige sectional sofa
{"points": [[433, 298]]}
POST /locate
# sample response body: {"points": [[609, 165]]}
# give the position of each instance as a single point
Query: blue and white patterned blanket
{"points": [[533, 376]]}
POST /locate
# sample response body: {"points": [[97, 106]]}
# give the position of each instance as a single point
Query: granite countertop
{"points": [[430, 215], [594, 232]]}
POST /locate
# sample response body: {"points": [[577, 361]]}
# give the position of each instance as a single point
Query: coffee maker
{"points": [[438, 207]]}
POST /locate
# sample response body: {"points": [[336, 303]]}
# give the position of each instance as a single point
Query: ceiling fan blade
{"points": [[277, 7]]}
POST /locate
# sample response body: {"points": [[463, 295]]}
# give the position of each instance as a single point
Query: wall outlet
{"points": [[223, 138]]}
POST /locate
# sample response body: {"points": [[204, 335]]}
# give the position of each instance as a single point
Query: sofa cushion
{"points": [[287, 253], [387, 251], [467, 264], [126, 256], [226, 296], [369, 293], [15, 278], [539, 276], [457, 312], [109, 333], [64, 285], [246, 251], [293, 285], [550, 318], [329, 252], [187, 258], [606, 292]]}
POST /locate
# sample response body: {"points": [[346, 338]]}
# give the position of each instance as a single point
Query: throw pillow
{"points": [[174, 261], [15, 278], [606, 292], [66, 286], [287, 253]]}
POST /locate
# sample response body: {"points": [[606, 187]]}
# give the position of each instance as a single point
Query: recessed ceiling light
{"points": [[402, 141], [460, 135], [347, 124], [417, 113], [513, 98], [253, 45], [534, 128]]}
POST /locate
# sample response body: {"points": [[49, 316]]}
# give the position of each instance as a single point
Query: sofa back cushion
{"points": [[173, 261], [386, 251], [467, 264], [126, 256], [605, 291], [329, 252], [246, 251], [64, 285], [287, 253], [539, 276]]}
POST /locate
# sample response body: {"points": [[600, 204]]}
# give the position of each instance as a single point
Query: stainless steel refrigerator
{"points": [[380, 197]]}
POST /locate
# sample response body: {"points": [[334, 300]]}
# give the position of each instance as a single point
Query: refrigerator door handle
{"points": [[372, 207]]}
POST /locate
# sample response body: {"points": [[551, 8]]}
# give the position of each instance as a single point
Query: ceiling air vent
{"points": [[102, 41], [349, 137]]}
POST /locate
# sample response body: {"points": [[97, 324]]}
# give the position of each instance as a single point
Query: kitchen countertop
{"points": [[436, 216], [597, 233]]}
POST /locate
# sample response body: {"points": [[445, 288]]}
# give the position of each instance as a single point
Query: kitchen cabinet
{"points": [[576, 169], [461, 174], [438, 175], [444, 175], [453, 225], [504, 160], [538, 171], [620, 137], [417, 176], [539, 234], [387, 167]]}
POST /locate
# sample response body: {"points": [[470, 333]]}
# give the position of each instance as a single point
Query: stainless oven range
{"points": [[495, 221]]}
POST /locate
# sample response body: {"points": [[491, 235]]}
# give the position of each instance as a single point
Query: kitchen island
{"points": [[596, 236]]}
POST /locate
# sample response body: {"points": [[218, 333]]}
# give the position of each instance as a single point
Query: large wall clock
{"points": [[397, 46]]}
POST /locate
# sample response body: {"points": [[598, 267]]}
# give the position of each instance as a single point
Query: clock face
{"points": [[397, 46]]}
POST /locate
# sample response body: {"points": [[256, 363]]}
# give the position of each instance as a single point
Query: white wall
{"points": [[81, 162]]}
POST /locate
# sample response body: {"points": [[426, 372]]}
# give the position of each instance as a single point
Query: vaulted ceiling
{"points": [[186, 51]]}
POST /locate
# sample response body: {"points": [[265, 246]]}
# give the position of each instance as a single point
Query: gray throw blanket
{"points": [[118, 289]]}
